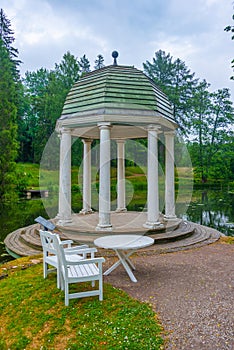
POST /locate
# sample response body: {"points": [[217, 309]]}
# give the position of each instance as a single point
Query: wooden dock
{"points": [[41, 193]]}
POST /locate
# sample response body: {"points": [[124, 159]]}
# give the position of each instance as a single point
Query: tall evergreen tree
{"points": [[231, 29], [7, 37], [176, 80], [84, 65], [99, 62], [8, 128]]}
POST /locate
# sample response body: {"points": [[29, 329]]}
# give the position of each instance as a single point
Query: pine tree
{"points": [[84, 65], [99, 62], [8, 128], [176, 81], [7, 37], [231, 29]]}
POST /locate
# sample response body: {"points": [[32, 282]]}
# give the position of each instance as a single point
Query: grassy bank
{"points": [[33, 315], [30, 173], [30, 176]]}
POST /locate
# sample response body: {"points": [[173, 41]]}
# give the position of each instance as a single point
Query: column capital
{"points": [[65, 131], [104, 125], [85, 141], [170, 133], [120, 140], [152, 127]]}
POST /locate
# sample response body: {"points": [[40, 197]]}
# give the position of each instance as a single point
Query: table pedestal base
{"points": [[126, 262]]}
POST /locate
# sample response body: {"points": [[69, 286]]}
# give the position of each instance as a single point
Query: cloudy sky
{"points": [[192, 30]]}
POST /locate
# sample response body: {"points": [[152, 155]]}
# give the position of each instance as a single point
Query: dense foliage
{"points": [[8, 107], [205, 118]]}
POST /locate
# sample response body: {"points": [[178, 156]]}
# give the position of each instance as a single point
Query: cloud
{"points": [[190, 30]]}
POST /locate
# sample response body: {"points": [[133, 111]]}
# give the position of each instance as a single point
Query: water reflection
{"points": [[213, 208], [15, 215]]}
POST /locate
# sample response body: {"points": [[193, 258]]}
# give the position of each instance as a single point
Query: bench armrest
{"points": [[86, 261], [77, 250], [67, 242]]}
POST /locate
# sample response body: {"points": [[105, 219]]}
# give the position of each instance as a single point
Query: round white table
{"points": [[124, 246]]}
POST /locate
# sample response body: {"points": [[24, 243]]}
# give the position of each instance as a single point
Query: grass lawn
{"points": [[33, 315]]}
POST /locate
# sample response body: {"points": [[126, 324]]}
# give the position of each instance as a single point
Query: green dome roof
{"points": [[114, 86]]}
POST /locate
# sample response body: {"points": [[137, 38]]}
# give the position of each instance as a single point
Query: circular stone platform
{"points": [[122, 222], [172, 236]]}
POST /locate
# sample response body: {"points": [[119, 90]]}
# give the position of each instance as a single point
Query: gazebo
{"points": [[116, 103]]}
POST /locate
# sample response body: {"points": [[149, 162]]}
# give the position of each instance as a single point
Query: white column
{"points": [[120, 176], [170, 177], [86, 177], [104, 178], [64, 214], [152, 178]]}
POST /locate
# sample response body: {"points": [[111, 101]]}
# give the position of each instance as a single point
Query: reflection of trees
{"points": [[214, 209], [14, 215]]}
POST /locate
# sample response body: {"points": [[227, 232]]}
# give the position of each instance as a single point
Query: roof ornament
{"points": [[115, 54]]}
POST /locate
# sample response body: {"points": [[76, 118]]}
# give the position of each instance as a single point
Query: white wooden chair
{"points": [[82, 270], [50, 254]]}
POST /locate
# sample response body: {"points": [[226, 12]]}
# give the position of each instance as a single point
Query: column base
{"points": [[57, 217], [86, 211], [120, 210], [152, 225], [170, 217], [64, 222], [104, 227]]}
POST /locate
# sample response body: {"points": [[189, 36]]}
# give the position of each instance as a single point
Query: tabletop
{"points": [[123, 242]]}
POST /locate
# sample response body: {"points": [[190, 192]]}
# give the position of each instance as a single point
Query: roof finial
{"points": [[115, 54]]}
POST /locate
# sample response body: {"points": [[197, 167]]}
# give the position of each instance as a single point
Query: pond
{"points": [[209, 207]]}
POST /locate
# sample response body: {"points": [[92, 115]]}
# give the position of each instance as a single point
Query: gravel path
{"points": [[192, 291]]}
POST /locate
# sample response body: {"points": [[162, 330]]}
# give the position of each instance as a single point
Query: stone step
{"points": [[201, 236], [184, 230], [30, 236], [26, 241], [16, 247]]}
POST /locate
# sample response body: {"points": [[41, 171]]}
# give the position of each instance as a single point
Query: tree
{"points": [[7, 37], [84, 65], [205, 118], [99, 62], [200, 109], [68, 70], [211, 127], [231, 29], [220, 126], [35, 85], [45, 92], [8, 127], [176, 81]]}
